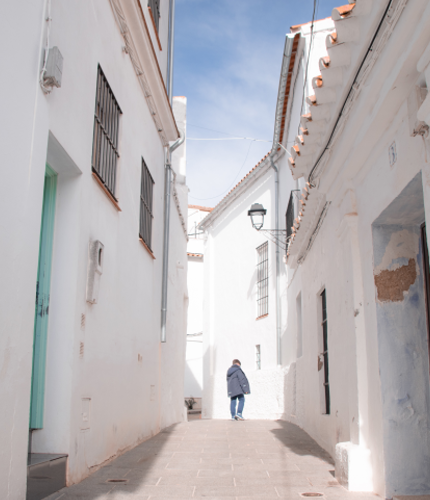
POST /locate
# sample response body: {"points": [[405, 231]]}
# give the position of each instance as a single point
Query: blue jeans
{"points": [[241, 399]]}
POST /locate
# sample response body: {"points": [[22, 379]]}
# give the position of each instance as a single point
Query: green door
{"points": [[41, 317]]}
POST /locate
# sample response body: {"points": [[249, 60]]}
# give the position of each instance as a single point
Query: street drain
{"points": [[117, 480], [311, 494]]}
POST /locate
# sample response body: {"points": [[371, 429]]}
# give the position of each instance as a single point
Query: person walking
{"points": [[237, 387]]}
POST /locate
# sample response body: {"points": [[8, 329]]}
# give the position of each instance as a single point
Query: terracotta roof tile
{"points": [[202, 209], [199, 255]]}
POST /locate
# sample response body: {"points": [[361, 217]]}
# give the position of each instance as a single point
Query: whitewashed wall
{"points": [[109, 352], [23, 166], [378, 349], [230, 309], [193, 383]]}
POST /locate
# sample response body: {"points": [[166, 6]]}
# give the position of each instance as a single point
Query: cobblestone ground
{"points": [[218, 460]]}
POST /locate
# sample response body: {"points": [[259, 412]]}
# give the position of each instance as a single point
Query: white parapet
{"points": [[353, 467]]}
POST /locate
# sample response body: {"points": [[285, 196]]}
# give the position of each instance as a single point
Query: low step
{"points": [[412, 497], [46, 474]]}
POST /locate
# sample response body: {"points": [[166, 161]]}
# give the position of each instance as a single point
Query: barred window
{"points": [[146, 196], [323, 358], [154, 7], [262, 280], [289, 217], [105, 140]]}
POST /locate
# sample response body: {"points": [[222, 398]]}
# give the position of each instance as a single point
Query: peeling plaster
{"points": [[392, 284], [403, 244]]}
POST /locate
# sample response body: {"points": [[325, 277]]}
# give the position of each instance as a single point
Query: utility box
{"points": [[54, 68], [95, 270]]}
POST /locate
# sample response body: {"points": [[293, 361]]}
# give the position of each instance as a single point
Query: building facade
{"points": [[356, 343], [87, 126]]}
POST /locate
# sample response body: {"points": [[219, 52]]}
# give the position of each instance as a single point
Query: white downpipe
{"points": [[166, 242], [278, 268]]}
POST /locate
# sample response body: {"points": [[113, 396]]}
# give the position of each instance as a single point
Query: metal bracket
{"points": [[277, 236]]}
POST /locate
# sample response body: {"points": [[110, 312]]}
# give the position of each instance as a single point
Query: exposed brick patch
{"points": [[390, 285]]}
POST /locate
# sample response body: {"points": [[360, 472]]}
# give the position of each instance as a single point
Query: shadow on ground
{"points": [[299, 442]]}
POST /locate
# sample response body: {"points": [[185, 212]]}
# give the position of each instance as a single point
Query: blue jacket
{"points": [[237, 383]]}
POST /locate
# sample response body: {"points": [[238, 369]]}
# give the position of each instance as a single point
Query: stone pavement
{"points": [[218, 460]]}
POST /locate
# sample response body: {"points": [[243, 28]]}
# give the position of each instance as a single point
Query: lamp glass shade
{"points": [[257, 213]]}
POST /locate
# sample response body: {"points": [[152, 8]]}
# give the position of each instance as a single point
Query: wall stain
{"points": [[391, 284]]}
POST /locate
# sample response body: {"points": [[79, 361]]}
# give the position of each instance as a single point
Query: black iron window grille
{"points": [[290, 217], [105, 140], [263, 280], [154, 5], [325, 352], [146, 197]]}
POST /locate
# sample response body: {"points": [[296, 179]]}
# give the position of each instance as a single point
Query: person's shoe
{"points": [[233, 418], [239, 417]]}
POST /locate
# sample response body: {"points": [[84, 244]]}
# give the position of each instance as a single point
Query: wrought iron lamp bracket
{"points": [[277, 236]]}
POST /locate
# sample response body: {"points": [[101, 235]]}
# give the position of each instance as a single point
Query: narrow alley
{"points": [[217, 459]]}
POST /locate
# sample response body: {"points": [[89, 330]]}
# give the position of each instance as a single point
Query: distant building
{"points": [[193, 382], [87, 370]]}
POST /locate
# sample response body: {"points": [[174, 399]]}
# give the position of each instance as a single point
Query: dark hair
{"points": [[236, 362]]}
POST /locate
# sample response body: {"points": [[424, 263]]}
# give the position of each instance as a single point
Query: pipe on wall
{"points": [[166, 241], [279, 117], [278, 268]]}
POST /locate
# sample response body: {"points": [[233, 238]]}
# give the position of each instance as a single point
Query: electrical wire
{"points": [[46, 51], [369, 50], [305, 80], [232, 184]]}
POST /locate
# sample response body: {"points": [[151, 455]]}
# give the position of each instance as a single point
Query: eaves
{"points": [[134, 30], [253, 176]]}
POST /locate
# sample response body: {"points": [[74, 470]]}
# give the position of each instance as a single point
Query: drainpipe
{"points": [[167, 188], [278, 267]]}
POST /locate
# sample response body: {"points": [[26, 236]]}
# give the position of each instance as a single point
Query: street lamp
{"points": [[257, 213], [278, 236]]}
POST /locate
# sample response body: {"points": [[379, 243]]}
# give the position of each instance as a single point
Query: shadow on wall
{"points": [[299, 442], [191, 384], [208, 395], [129, 473]]}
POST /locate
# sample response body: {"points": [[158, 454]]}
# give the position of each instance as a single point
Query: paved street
{"points": [[218, 460]]}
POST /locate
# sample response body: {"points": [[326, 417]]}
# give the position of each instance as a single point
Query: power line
{"points": [[232, 184]]}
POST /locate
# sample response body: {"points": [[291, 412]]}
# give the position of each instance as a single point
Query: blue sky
{"points": [[228, 56]]}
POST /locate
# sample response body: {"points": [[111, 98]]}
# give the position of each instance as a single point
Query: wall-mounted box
{"points": [[95, 270]]}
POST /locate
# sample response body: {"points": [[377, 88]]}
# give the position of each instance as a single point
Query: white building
{"points": [[83, 200], [193, 382], [356, 342], [352, 369]]}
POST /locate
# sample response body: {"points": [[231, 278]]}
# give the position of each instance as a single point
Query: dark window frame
{"points": [[146, 205], [154, 6], [105, 152], [426, 268], [325, 351], [263, 280]]}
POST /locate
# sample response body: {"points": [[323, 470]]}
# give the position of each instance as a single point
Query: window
{"points": [[323, 358], [262, 280], [154, 7], [258, 357], [146, 195], [105, 140], [299, 325], [290, 217]]}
